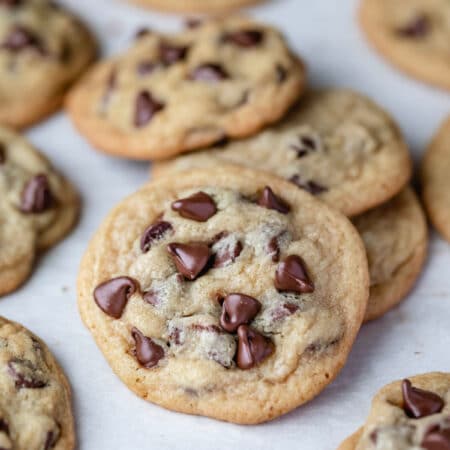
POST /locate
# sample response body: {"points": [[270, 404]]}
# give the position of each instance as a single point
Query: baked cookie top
{"points": [[413, 34], [37, 207], [225, 287], [208, 6], [171, 93], [43, 49], [35, 400], [408, 415], [336, 144], [396, 238]]}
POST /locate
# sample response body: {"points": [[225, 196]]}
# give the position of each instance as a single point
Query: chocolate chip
{"points": [[170, 54], [291, 275], [438, 439], [245, 38], [419, 403], [36, 196], [285, 310], [190, 259], [238, 309], [147, 352], [175, 337], [51, 439], [154, 233], [253, 347], [193, 22], [281, 73], [146, 108], [208, 328], [20, 38], [4, 427], [2, 153], [417, 28], [303, 147], [25, 374], [112, 295], [209, 73], [11, 3], [274, 249], [269, 200], [227, 254], [142, 32], [310, 186], [146, 68], [151, 297], [199, 207]]}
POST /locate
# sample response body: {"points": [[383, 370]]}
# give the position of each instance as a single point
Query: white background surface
{"points": [[413, 338]]}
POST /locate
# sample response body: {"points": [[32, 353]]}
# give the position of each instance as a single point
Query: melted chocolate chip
{"points": [[419, 403], [112, 295], [209, 73], [146, 108], [228, 254], [193, 22], [36, 196], [291, 276], [245, 38], [310, 186], [253, 348], [273, 249], [25, 374], [50, 440], [190, 259], [11, 3], [199, 207], [281, 73], [151, 297], [269, 200], [4, 427], [437, 439], [303, 147], [170, 54], [148, 353], [20, 38], [154, 233], [2, 153], [417, 28], [145, 68], [238, 309], [142, 32], [285, 310]]}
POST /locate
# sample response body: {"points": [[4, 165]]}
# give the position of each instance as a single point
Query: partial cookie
{"points": [[396, 239], [223, 288], [203, 6], [436, 182], [414, 35], [173, 93], [43, 49], [38, 207], [336, 144], [409, 415], [35, 400]]}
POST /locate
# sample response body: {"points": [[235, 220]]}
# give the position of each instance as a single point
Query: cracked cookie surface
{"points": [[172, 93], [186, 6], [336, 144], [35, 400], [38, 207], [226, 286], [43, 49], [414, 35], [407, 415]]}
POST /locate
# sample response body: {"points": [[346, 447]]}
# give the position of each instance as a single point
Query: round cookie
{"points": [[414, 35], [38, 207], [43, 49], [225, 287], [189, 6], [172, 93], [407, 415], [396, 239], [336, 144], [435, 181], [35, 400]]}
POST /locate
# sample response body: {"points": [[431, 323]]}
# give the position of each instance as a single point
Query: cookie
{"points": [[38, 207], [35, 400], [220, 288], [173, 93], [335, 143], [409, 414], [414, 35], [202, 6], [396, 239], [435, 181]]}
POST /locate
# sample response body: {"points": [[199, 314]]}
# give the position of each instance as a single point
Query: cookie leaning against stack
{"points": [[173, 93], [225, 287]]}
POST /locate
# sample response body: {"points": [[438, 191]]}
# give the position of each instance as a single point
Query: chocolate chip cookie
{"points": [[396, 239], [37, 208], [406, 415], [222, 288], [335, 144], [173, 93], [35, 400], [203, 6], [43, 49], [436, 182], [414, 35]]}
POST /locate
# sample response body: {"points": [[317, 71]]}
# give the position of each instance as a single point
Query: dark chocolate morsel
{"points": [[238, 309], [154, 233], [11, 3], [418, 403], [310, 186], [419, 27], [170, 54], [253, 347], [281, 73], [36, 196], [50, 440], [2, 153], [245, 38], [190, 259], [437, 439], [112, 296], [142, 32], [199, 207], [269, 200], [25, 374], [21, 38], [227, 255], [146, 107], [291, 276], [148, 353], [209, 72]]}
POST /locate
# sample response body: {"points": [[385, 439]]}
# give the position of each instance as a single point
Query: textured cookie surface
{"points": [[209, 291], [43, 49], [336, 144], [37, 208], [412, 34], [395, 236], [171, 93], [208, 6], [436, 182], [407, 415], [35, 400]]}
